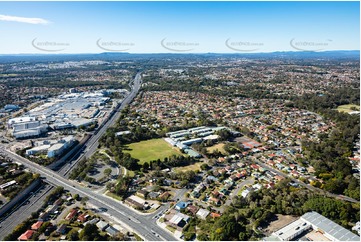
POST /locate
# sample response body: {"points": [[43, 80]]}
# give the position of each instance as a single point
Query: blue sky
{"points": [[198, 27]]}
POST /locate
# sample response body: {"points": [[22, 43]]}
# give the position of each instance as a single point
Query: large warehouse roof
{"points": [[329, 227], [292, 230]]}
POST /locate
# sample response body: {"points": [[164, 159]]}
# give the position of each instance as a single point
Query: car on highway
{"points": [[102, 209]]}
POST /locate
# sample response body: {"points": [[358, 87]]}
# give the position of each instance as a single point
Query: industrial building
{"points": [[28, 129], [292, 230], [11, 107], [13, 121], [42, 149], [70, 110], [328, 228], [52, 148], [313, 221]]}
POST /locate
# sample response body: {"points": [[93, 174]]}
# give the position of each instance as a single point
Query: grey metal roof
{"points": [[329, 227]]}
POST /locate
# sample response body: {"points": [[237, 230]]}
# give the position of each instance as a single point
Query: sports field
{"points": [[151, 150], [347, 108]]}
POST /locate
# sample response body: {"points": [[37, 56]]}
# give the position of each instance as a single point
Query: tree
{"points": [[335, 186], [73, 235], [107, 172], [84, 200], [76, 197], [224, 134], [43, 227], [90, 233], [146, 165], [204, 167]]}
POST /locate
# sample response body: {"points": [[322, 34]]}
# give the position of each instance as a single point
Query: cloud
{"points": [[23, 20]]}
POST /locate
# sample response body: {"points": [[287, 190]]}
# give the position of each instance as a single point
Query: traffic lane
{"points": [[56, 179], [137, 222], [93, 143], [73, 187], [115, 209], [126, 221], [30, 205]]}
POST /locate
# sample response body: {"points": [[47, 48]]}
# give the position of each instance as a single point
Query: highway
{"points": [[143, 225], [23, 210], [90, 147]]}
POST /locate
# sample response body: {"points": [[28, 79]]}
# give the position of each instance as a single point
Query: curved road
{"points": [[143, 225]]}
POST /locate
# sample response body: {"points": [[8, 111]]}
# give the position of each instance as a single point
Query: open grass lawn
{"points": [[347, 108], [129, 172], [219, 147], [194, 167], [113, 195], [151, 150]]}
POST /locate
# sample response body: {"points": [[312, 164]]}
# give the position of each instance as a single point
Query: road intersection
{"points": [[144, 225]]}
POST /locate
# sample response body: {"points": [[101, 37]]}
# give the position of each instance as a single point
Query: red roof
{"points": [[215, 193], [82, 217], [221, 159], [71, 214], [27, 235], [215, 215], [36, 225], [278, 177]]}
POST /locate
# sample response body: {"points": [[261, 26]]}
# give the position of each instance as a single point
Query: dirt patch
{"points": [[278, 222]]}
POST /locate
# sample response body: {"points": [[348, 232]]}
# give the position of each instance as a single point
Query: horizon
{"points": [[178, 27], [181, 53]]}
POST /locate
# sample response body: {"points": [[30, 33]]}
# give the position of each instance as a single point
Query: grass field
{"points": [[347, 108], [194, 167], [219, 147], [129, 172], [151, 150], [113, 195]]}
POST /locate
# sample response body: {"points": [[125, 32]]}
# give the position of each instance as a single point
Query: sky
{"points": [[178, 27]]}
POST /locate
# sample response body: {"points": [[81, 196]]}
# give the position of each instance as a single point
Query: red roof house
{"points": [[36, 225], [26, 236], [71, 215]]}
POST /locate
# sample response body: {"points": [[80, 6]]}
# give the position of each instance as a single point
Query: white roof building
{"points": [[37, 150], [27, 133], [330, 229], [292, 230], [56, 150], [20, 120], [202, 213], [313, 220], [179, 217], [8, 184], [357, 227], [102, 225]]}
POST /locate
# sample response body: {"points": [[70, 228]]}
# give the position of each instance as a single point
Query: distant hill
{"points": [[353, 54]]}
